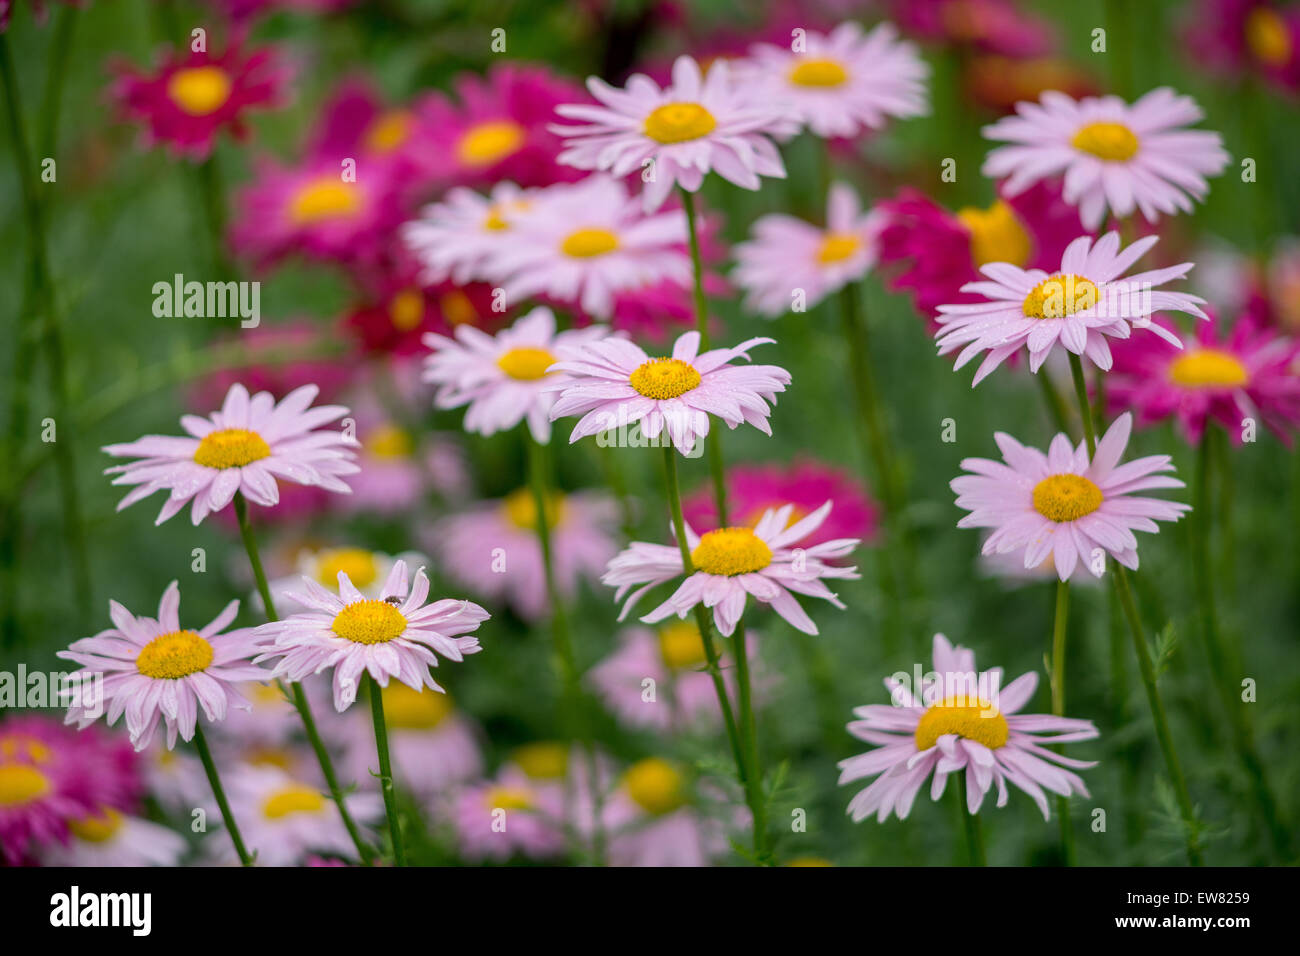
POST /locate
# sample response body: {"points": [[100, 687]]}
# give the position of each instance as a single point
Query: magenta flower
{"points": [[244, 448], [1236, 37], [159, 671], [991, 26], [753, 490], [1114, 156], [614, 384], [192, 97], [1250, 372], [960, 721], [1088, 299], [394, 635], [1064, 505], [734, 564], [678, 134]]}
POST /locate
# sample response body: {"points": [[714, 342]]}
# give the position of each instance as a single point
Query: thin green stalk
{"points": [[1059, 626], [1224, 666], [749, 737], [539, 481], [1085, 410], [970, 824], [716, 468], [210, 768], [386, 771], [297, 694], [1055, 404], [212, 195], [1163, 735], [42, 284]]}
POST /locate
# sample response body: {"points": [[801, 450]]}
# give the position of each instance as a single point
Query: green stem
{"points": [[1163, 735], [213, 198], [970, 824], [1059, 627], [386, 771], [1055, 404], [749, 739], [1085, 410], [210, 768], [297, 694], [539, 480]]}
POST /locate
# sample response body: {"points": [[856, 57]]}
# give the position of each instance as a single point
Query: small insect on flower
{"points": [[960, 721], [244, 448]]}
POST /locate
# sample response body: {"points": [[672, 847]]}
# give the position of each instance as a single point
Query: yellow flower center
{"points": [[406, 309], [509, 798], [409, 709], [996, 235], [369, 622], [1113, 142], [24, 748], [292, 799], [819, 73], [173, 656], [730, 551], [681, 646], [390, 441], [589, 243], [1058, 296], [97, 829], [231, 448], [199, 90], [496, 219], [526, 364], [487, 143], [388, 131], [1062, 498], [1208, 368], [21, 783], [977, 721], [325, 197], [679, 122], [1267, 37], [655, 785], [542, 760], [837, 246], [520, 508], [360, 565], [810, 861], [269, 757], [457, 308], [664, 378]]}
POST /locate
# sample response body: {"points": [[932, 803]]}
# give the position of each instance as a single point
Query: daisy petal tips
{"points": [[1086, 301], [960, 721], [1061, 506], [243, 448], [394, 635], [614, 384], [733, 564], [696, 125]]}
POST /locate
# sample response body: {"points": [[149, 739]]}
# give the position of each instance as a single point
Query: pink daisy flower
{"points": [[1247, 36], [111, 838], [50, 776], [1250, 372], [506, 378], [1079, 305], [286, 819], [961, 720], [160, 672], [583, 244], [843, 82], [678, 134], [614, 384], [395, 635], [732, 564], [789, 261], [357, 123], [454, 238], [394, 319], [938, 251], [673, 658], [491, 548], [1114, 156], [499, 130], [513, 814], [244, 448], [193, 96], [433, 746], [753, 490], [1063, 504]]}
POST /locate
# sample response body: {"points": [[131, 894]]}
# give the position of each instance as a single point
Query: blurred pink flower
{"points": [[510, 815], [1237, 37], [279, 377], [992, 26]]}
